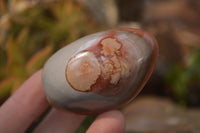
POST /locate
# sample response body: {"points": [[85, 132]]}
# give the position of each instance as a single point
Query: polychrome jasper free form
{"points": [[100, 72]]}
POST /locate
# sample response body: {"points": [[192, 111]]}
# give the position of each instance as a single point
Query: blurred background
{"points": [[32, 30]]}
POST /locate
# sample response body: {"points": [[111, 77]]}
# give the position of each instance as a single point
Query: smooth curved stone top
{"points": [[101, 71]]}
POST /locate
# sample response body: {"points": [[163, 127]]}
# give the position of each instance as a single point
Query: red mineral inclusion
{"points": [[98, 66], [82, 71]]}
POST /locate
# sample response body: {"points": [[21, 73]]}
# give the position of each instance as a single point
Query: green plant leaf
{"points": [[86, 124], [5, 87], [37, 61], [16, 59]]}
